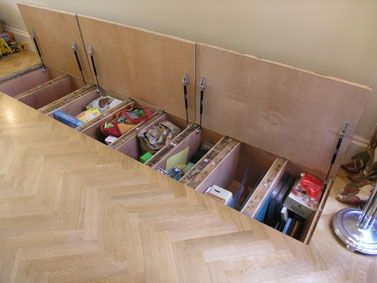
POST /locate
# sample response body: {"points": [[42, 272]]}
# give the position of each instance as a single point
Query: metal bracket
{"points": [[342, 133], [203, 84], [185, 81], [91, 54]]}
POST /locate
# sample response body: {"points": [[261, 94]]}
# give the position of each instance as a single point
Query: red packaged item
{"points": [[312, 186], [125, 121], [305, 195]]}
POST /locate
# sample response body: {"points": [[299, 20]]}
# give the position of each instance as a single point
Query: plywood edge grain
{"points": [[136, 28], [45, 85], [256, 200], [56, 30], [368, 89], [23, 3]]}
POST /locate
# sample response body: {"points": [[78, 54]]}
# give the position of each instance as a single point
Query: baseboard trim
{"points": [[16, 31], [359, 141], [21, 36], [357, 144]]}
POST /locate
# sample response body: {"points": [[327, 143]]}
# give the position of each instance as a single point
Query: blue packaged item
{"points": [[67, 119], [175, 173]]}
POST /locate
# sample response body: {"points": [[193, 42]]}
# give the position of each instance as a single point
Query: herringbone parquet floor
{"points": [[17, 62], [73, 210]]}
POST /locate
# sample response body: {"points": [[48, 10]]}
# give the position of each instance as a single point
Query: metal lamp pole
{"points": [[358, 228]]}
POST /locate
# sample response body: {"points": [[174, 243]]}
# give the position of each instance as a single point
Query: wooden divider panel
{"points": [[55, 31], [143, 65], [25, 81], [286, 111]]}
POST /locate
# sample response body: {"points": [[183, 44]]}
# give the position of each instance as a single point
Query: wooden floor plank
{"points": [[17, 62]]}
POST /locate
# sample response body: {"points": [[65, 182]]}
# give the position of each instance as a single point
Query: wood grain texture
{"points": [[283, 110], [48, 92], [142, 65], [159, 159], [262, 191], [26, 80], [13, 64], [55, 32], [74, 210], [59, 103], [90, 128], [204, 168]]}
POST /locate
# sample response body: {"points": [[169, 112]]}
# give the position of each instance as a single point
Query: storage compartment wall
{"points": [[25, 81], [49, 92], [142, 65], [55, 32]]}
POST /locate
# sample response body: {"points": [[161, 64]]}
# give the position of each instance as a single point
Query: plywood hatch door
{"points": [[55, 32], [142, 65], [286, 111]]}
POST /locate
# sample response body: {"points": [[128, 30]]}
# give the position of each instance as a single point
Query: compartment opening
{"points": [[259, 183], [85, 108], [25, 81], [49, 91], [187, 149], [95, 129], [155, 135], [231, 166], [294, 212], [252, 166]]}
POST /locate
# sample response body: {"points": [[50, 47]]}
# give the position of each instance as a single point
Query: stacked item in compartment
{"points": [[148, 138], [180, 163], [291, 202], [268, 189], [124, 121], [289, 205], [179, 156], [92, 110], [115, 125], [155, 138]]}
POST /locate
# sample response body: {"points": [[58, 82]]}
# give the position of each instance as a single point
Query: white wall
{"points": [[332, 37]]}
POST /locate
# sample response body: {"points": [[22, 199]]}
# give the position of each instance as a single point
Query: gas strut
{"points": [[202, 89], [335, 155], [185, 83], [74, 48], [34, 36]]}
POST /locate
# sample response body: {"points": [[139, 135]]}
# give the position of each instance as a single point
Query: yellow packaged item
{"points": [[88, 115]]}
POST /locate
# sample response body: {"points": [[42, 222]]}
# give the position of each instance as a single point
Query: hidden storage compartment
{"points": [[78, 105], [274, 190], [252, 175], [57, 104], [26, 81], [308, 224], [186, 150], [93, 129], [129, 144], [49, 91], [230, 165]]}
